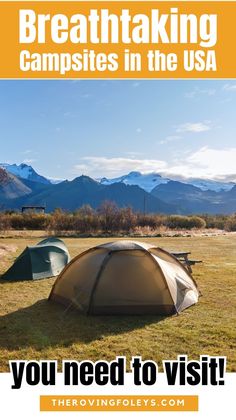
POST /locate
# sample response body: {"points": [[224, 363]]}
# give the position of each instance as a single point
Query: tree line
{"points": [[110, 219]]}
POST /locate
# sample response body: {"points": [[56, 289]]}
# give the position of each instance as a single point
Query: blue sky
{"points": [[108, 128]]}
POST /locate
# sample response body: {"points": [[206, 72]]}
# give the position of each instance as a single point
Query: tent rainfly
{"points": [[125, 278], [46, 259]]}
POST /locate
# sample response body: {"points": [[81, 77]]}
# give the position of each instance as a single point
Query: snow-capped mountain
{"points": [[24, 171], [151, 180], [209, 184], [160, 194], [145, 181], [11, 187], [55, 180]]}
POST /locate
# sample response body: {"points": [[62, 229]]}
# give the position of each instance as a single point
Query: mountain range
{"points": [[151, 180], [22, 185], [25, 171]]}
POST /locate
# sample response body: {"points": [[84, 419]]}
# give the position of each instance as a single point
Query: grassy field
{"points": [[31, 327]]}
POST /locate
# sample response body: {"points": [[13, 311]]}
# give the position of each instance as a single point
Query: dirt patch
{"points": [[6, 249]]}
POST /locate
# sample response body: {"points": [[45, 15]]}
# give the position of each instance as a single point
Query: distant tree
{"points": [[108, 212], [85, 210]]}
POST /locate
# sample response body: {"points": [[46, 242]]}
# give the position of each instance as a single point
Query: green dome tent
{"points": [[46, 259]]}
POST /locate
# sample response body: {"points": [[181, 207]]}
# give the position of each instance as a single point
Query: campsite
{"points": [[32, 327]]}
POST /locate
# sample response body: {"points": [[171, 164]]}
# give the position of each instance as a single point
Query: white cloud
{"points": [[197, 127], [26, 152], [169, 139], [229, 88], [116, 166], [214, 161], [207, 163], [196, 93], [29, 161], [225, 101]]}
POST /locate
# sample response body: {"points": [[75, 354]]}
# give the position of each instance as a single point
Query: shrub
{"points": [[109, 218], [185, 222], [152, 221], [230, 224], [127, 219], [60, 221], [215, 221], [5, 222], [30, 221]]}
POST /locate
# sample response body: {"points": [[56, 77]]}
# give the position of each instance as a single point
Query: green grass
{"points": [[31, 327]]}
